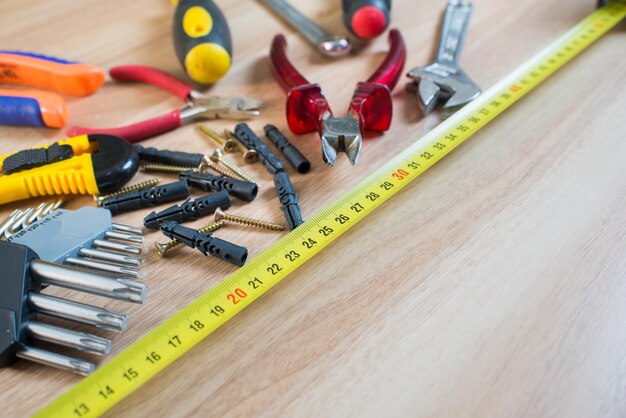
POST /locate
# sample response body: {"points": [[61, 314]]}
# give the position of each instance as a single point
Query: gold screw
{"points": [[221, 216], [164, 168], [218, 157], [206, 162], [231, 145], [139, 186], [161, 249]]}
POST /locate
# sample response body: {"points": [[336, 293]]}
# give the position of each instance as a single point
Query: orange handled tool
{"points": [[67, 77]]}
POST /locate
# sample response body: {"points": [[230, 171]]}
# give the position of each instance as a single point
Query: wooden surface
{"points": [[494, 285]]}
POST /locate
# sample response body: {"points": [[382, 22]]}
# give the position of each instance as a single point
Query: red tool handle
{"points": [[372, 100], [137, 131], [306, 104], [144, 74]]}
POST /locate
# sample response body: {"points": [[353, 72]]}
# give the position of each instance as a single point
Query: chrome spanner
{"points": [[443, 78], [327, 44]]}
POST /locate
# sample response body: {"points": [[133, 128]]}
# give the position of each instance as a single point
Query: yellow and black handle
{"points": [[202, 40], [85, 164]]}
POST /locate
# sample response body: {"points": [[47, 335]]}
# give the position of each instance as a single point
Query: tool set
{"points": [[84, 250]]}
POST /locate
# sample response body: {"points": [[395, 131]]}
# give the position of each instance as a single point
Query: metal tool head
{"points": [[443, 81], [236, 107], [335, 46], [341, 135]]}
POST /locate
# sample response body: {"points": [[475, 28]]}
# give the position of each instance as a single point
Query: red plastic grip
{"points": [[144, 74], [137, 131], [306, 105], [372, 100], [390, 70], [286, 74]]}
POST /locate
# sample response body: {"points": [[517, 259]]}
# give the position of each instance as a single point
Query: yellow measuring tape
{"points": [[132, 368]]}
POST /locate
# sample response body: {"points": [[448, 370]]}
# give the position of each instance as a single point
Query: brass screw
{"points": [[221, 216], [231, 145], [218, 157], [206, 162], [165, 168], [161, 249], [139, 186]]}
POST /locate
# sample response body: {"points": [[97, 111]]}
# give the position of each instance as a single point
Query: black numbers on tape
{"points": [[130, 374], [217, 310], [255, 283], [274, 269], [426, 155], [438, 145], [386, 185], [153, 358], [371, 196], [196, 325], [357, 207], [174, 341], [326, 231], [342, 219], [292, 255], [309, 243], [81, 410], [106, 392]]}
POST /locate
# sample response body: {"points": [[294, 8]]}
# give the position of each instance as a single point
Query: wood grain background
{"points": [[491, 286]]}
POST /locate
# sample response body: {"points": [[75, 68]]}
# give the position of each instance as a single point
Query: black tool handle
{"points": [[205, 243], [366, 18], [189, 210], [288, 200], [241, 189], [149, 197], [289, 151], [164, 156], [250, 140]]}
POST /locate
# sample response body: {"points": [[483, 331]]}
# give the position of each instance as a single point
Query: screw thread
{"points": [[139, 186], [213, 166], [235, 169], [220, 215], [164, 168], [161, 249]]}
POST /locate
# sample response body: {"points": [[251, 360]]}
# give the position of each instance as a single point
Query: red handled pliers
{"points": [[197, 106], [370, 107]]}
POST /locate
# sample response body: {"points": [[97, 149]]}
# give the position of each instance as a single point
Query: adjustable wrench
{"points": [[443, 78], [327, 44]]}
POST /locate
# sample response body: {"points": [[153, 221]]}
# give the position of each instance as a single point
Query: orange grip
{"points": [[49, 73]]}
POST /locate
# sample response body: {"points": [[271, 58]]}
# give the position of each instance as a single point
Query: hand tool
{"points": [[190, 210], [89, 164], [241, 189], [326, 225], [221, 216], [32, 108], [205, 243], [40, 108], [328, 45], [81, 238], [288, 200], [197, 106], [162, 249], [21, 300], [248, 138], [289, 151], [22, 218], [202, 40], [370, 107], [146, 198], [230, 145], [50, 73], [444, 78], [366, 18]]}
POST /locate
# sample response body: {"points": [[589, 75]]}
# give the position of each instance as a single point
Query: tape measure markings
{"points": [[152, 353]]}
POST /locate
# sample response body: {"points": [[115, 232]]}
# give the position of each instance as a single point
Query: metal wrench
{"points": [[443, 78], [327, 44]]}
